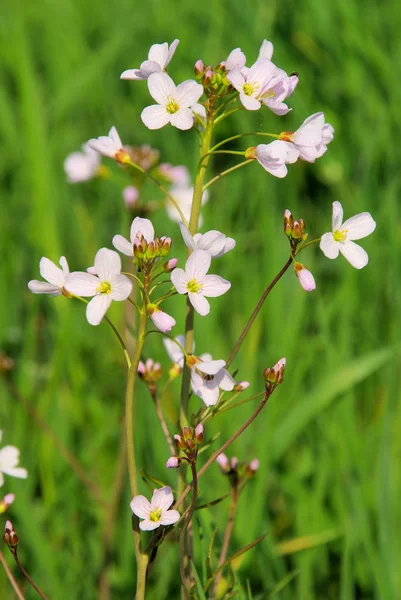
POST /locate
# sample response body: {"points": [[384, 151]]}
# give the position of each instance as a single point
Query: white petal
{"points": [[175, 354], [182, 119], [214, 285], [311, 131], [248, 102], [16, 472], [329, 246], [162, 498], [51, 272], [104, 145], [113, 135], [147, 525], [236, 79], [209, 395], [9, 458], [227, 382], [229, 244], [359, 226], [131, 74], [200, 304], [140, 506], [179, 280], [212, 241], [198, 265], [97, 308], [211, 367], [161, 86], [171, 51], [155, 116], [107, 264], [337, 218], [170, 517], [81, 284], [64, 265], [123, 245], [41, 287], [158, 53], [143, 226], [188, 93], [354, 254], [186, 236], [266, 50], [235, 60], [121, 287]]}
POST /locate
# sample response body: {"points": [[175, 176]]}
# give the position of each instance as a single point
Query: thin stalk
{"points": [[228, 114], [222, 448], [159, 412], [227, 536], [315, 241], [227, 171], [256, 311], [182, 541], [26, 575], [11, 577], [240, 135]]}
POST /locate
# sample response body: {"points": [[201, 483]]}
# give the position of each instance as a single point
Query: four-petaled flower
{"points": [[311, 138], [252, 85], [206, 379], [343, 234], [54, 276], [82, 166], [274, 156], [174, 104], [159, 57], [9, 459], [111, 146], [196, 283], [155, 512], [108, 284], [138, 226], [214, 242]]}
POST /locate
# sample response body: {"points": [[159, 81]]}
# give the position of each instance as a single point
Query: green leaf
{"points": [[198, 582]]}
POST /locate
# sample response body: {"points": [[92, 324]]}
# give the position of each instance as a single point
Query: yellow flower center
{"points": [[340, 235], [172, 106], [155, 515], [249, 88], [194, 286], [104, 288]]}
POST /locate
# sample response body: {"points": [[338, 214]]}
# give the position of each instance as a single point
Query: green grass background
{"points": [[329, 440]]}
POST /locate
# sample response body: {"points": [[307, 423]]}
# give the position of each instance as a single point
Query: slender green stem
{"points": [[227, 536], [256, 311], [315, 241], [241, 135], [223, 173], [156, 399], [141, 572], [183, 537], [228, 114]]}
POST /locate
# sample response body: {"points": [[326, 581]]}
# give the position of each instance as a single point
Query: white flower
{"points": [[82, 166], [214, 242], [155, 512], [208, 377], [108, 284], [278, 90], [174, 351], [340, 240], [108, 145], [274, 156], [53, 275], [9, 459], [194, 281], [252, 85], [312, 137], [183, 196], [138, 226], [162, 320], [159, 57], [235, 60], [174, 104]]}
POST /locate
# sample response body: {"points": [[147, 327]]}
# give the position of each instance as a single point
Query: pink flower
{"points": [[311, 138], [274, 156], [159, 57], [162, 320], [173, 462], [155, 512], [130, 195], [305, 277]]}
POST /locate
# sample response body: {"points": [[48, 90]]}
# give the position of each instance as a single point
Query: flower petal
{"points": [[198, 265], [123, 245], [179, 280], [266, 50], [97, 308], [200, 304], [182, 119], [235, 60], [147, 525], [211, 367], [359, 226], [188, 93], [186, 236], [338, 213], [212, 241], [51, 272], [107, 264], [329, 246], [227, 383], [229, 244], [42, 287], [170, 517], [121, 287], [143, 226], [209, 395], [354, 254], [171, 51], [161, 86], [155, 116], [113, 135], [158, 53], [140, 506], [162, 498], [81, 284], [214, 285]]}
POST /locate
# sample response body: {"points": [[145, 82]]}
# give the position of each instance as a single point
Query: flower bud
{"points": [[174, 371], [130, 195], [186, 433], [288, 223], [10, 537], [254, 466], [250, 153], [297, 232], [241, 386], [305, 277], [179, 442], [223, 462], [234, 463], [170, 265], [207, 78], [165, 246], [152, 250], [274, 376], [198, 433], [173, 462], [199, 69], [6, 502]]}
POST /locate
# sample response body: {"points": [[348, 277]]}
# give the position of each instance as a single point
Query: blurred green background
{"points": [[329, 441]]}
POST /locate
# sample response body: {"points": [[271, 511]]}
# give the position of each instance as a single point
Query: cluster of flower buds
{"points": [[10, 537], [150, 372], [237, 472], [214, 80], [274, 376], [294, 230], [187, 443], [146, 253], [6, 502]]}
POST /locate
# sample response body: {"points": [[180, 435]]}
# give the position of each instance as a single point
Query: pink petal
{"points": [[200, 304], [155, 117], [97, 308], [214, 285], [140, 506]]}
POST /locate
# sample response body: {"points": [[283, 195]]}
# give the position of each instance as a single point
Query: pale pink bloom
{"points": [[252, 85], [278, 90], [241, 386], [82, 166], [198, 433], [234, 463], [155, 512], [158, 58], [183, 196], [170, 265], [6, 502], [138, 226], [214, 242], [207, 378], [9, 459], [254, 465], [235, 60], [173, 462], [274, 156], [343, 234], [305, 277], [266, 50], [195, 282], [108, 145], [162, 320], [54, 276], [149, 369], [108, 284], [174, 351], [130, 195], [223, 461], [312, 137], [178, 175], [174, 104]]}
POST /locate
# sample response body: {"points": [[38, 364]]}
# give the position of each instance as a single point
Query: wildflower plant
{"points": [[208, 385]]}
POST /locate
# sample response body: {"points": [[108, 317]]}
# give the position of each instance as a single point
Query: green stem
{"points": [[230, 170], [227, 536], [315, 241], [241, 135], [142, 567]]}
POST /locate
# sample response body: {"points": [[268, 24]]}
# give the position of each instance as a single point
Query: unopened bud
{"points": [[199, 68], [173, 462], [223, 462], [198, 433], [241, 386], [254, 466], [6, 502], [288, 223], [10, 537], [170, 265], [186, 433], [165, 246], [207, 78], [140, 246], [297, 231], [234, 463], [274, 376], [179, 442], [305, 277], [130, 195], [174, 371]]}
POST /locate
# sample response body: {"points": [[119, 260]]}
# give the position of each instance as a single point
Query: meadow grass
{"points": [[329, 483]]}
